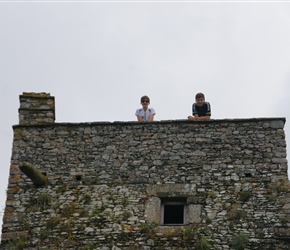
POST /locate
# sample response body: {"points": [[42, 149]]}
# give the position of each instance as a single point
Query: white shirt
{"points": [[145, 114]]}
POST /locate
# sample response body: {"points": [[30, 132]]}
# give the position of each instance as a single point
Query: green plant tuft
{"points": [[68, 209], [189, 232], [53, 222], [245, 195], [87, 198], [44, 200], [148, 229], [125, 202], [271, 198], [208, 220], [284, 221], [224, 206], [94, 180], [18, 244], [96, 211], [212, 195], [240, 241], [126, 215], [203, 244], [89, 246], [236, 215]]}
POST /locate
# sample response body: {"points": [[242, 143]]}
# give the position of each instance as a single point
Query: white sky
{"points": [[99, 58]]}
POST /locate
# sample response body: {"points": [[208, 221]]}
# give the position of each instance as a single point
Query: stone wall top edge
{"points": [[135, 123], [35, 96], [37, 110]]}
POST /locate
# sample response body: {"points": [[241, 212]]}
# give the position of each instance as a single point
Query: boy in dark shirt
{"points": [[200, 109]]}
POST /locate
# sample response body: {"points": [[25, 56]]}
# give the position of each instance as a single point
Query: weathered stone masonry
{"points": [[107, 183]]}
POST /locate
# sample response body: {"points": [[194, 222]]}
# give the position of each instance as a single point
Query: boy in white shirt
{"points": [[145, 114]]}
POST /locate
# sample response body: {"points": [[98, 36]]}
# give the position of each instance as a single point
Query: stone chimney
{"points": [[36, 108]]}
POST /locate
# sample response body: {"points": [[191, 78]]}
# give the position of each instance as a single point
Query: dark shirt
{"points": [[204, 110]]}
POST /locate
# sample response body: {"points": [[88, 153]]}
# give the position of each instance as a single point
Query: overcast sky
{"points": [[99, 58]]}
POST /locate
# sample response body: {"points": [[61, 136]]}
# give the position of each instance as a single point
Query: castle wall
{"points": [[108, 183]]}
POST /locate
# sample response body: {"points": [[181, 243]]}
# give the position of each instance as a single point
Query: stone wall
{"points": [[36, 108], [107, 184]]}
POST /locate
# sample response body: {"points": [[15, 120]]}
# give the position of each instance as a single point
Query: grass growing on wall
{"points": [[17, 244], [240, 241], [245, 195]]}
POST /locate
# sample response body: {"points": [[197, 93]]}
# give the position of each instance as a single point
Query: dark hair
{"points": [[145, 97], [199, 95]]}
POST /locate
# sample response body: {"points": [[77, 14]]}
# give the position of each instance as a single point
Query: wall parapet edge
{"points": [[179, 121]]}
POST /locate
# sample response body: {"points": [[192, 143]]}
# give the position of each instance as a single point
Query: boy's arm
{"points": [[151, 118], [192, 117], [203, 118], [208, 114], [140, 118], [194, 113], [198, 118]]}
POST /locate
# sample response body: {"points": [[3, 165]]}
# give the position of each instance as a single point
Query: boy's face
{"points": [[145, 102], [200, 101]]}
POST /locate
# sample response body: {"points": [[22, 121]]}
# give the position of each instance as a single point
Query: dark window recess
{"points": [[78, 177], [173, 214], [173, 210]]}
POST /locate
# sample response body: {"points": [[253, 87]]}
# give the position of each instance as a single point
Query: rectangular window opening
{"points": [[173, 211]]}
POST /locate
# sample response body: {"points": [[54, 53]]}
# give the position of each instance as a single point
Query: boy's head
{"points": [[199, 99], [145, 100]]}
